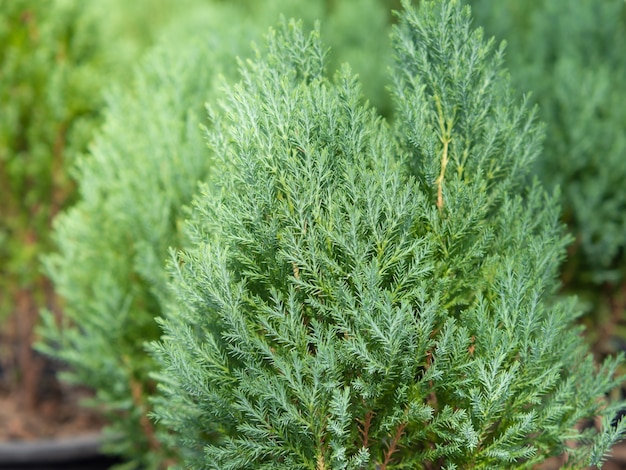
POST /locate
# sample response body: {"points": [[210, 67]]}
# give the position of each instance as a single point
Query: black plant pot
{"points": [[77, 453]]}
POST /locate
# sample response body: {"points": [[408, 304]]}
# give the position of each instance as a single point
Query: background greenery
{"points": [[56, 58], [569, 55]]}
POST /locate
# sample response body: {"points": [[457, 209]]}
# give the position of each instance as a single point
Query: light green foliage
{"points": [[50, 56], [470, 144], [141, 169], [361, 296], [569, 54]]}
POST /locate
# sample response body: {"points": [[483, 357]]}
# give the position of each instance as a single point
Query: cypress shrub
{"points": [[361, 295], [141, 170]]}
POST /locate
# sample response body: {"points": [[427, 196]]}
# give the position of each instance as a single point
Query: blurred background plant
{"points": [[56, 57], [53, 62], [571, 55], [142, 167]]}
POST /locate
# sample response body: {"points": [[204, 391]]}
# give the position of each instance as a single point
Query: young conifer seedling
{"points": [[361, 296]]}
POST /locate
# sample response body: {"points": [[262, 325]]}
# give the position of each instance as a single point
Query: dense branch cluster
{"points": [[366, 295]]}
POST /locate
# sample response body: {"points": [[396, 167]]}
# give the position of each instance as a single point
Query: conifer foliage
{"points": [[359, 295], [568, 54], [141, 170]]}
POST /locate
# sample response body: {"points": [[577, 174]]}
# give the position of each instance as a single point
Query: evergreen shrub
{"points": [[357, 294], [56, 57], [569, 54], [141, 170], [142, 167]]}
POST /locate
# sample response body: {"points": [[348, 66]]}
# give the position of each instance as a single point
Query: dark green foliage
{"points": [[361, 296]]}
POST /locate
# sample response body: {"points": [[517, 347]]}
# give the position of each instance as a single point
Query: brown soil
{"points": [[51, 418], [57, 411], [33, 403]]}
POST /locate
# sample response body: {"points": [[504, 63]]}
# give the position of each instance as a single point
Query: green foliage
{"points": [[568, 53], [357, 295], [55, 59], [49, 61], [141, 170]]}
